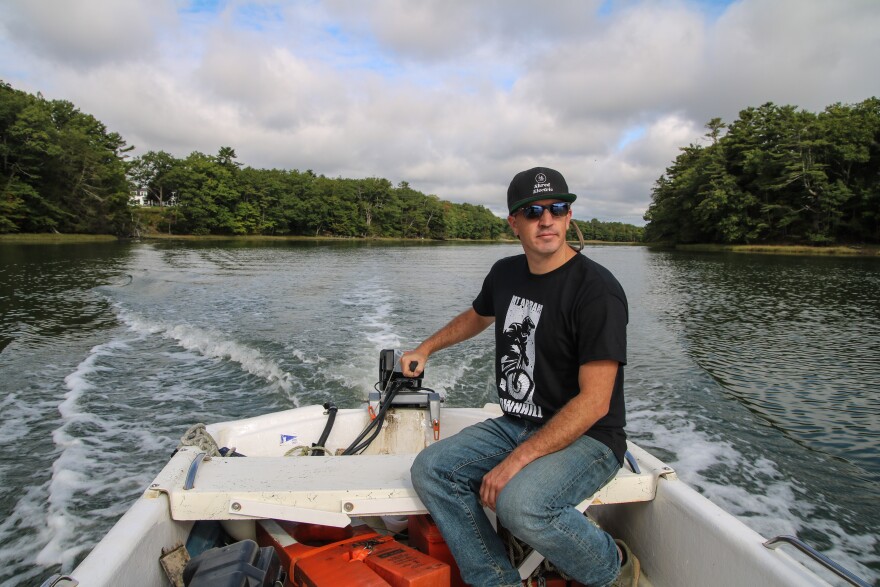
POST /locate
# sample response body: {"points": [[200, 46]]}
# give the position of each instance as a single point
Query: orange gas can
{"points": [[293, 541], [388, 562], [327, 570]]}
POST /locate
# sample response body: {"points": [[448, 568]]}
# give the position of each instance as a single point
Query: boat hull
{"points": [[681, 538]]}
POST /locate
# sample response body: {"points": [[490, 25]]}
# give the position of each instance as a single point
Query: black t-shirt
{"points": [[546, 327]]}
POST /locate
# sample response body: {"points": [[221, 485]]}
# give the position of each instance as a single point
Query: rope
{"points": [[517, 552], [197, 435], [577, 229], [304, 451]]}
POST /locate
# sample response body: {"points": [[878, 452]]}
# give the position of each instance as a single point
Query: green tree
{"points": [[207, 196], [372, 195], [153, 171], [62, 170], [777, 174], [30, 142]]}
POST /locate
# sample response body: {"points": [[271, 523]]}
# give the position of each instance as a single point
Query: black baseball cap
{"points": [[538, 183]]}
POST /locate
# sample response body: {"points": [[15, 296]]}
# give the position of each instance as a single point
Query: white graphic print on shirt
{"points": [[518, 359]]}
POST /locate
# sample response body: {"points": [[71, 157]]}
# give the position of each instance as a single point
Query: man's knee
{"points": [[425, 467], [521, 514]]}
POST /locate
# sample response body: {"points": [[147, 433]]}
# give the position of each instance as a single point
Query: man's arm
{"points": [[596, 382], [462, 327]]}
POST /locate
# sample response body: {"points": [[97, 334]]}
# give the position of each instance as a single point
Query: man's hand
{"points": [[416, 356], [596, 380], [495, 480]]}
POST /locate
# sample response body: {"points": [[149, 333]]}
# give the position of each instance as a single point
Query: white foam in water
{"points": [[302, 358], [376, 306], [18, 529], [372, 306], [21, 529], [92, 478], [18, 416], [38, 506], [213, 344], [774, 507], [70, 470]]}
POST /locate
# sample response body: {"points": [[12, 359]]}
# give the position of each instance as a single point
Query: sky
{"points": [[452, 96]]}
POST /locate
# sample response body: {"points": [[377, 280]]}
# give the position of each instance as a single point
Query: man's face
{"points": [[543, 235]]}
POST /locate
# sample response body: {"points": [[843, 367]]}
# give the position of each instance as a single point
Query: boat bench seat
{"points": [[331, 489]]}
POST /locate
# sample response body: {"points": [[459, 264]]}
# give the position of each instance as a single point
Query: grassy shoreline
{"points": [[57, 238], [301, 238], [835, 251], [65, 238]]}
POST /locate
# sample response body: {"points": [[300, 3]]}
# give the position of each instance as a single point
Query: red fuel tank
{"points": [[366, 561]]}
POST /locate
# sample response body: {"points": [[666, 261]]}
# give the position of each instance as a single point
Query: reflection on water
{"points": [[44, 290], [796, 340]]}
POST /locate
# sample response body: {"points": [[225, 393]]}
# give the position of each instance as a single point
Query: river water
{"points": [[755, 377]]}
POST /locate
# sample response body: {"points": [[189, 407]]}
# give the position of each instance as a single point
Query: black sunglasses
{"points": [[537, 210]]}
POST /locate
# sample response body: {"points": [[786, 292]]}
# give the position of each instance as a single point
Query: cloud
{"points": [[86, 32], [643, 63], [620, 187], [454, 97], [441, 30], [810, 54]]}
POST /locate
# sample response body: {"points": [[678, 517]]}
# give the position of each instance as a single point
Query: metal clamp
{"points": [[60, 581], [633, 463], [434, 413], [193, 469], [832, 566]]}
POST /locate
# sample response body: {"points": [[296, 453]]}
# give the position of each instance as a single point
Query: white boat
{"points": [[681, 538]]}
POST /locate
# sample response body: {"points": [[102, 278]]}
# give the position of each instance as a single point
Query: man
{"points": [[560, 336]]}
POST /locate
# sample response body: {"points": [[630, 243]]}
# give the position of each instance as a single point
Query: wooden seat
{"points": [[330, 490]]}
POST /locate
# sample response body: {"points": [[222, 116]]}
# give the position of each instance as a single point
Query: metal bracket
{"points": [[60, 581], [388, 505], [633, 463], [261, 509], [814, 554], [193, 469]]}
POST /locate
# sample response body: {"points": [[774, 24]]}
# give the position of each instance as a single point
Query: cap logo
{"points": [[541, 184]]}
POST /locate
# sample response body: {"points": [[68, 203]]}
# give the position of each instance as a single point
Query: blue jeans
{"points": [[537, 505]]}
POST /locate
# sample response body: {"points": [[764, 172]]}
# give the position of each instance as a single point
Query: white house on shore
{"points": [[141, 197]]}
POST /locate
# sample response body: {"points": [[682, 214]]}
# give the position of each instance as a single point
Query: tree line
{"points": [[216, 195], [63, 171], [777, 174]]}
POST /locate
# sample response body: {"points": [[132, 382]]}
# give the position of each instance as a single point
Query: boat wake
{"points": [[81, 474], [213, 344], [120, 418], [773, 504]]}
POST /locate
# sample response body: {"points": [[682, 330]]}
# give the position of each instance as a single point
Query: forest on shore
{"points": [[776, 174], [62, 170]]}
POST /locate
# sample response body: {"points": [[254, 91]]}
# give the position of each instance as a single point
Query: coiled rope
{"points": [[517, 552], [305, 451], [197, 435]]}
